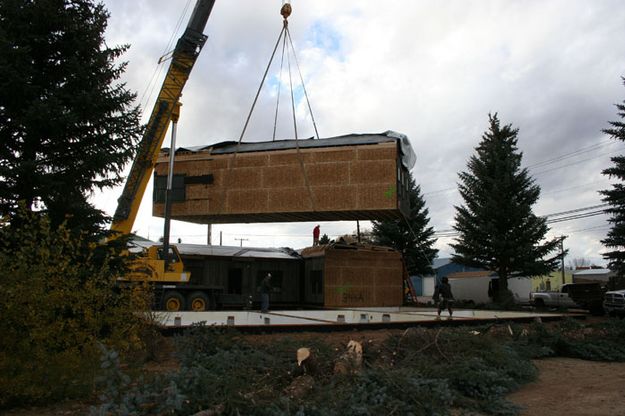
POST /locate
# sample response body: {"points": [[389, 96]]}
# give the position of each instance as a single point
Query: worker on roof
{"points": [[316, 232]]}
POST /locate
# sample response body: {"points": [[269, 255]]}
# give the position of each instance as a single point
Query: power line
{"points": [[557, 214], [578, 162], [569, 215], [159, 66], [557, 191], [598, 227], [574, 153], [577, 214], [439, 191], [576, 217], [553, 160]]}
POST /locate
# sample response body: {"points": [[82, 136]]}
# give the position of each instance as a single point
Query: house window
{"points": [[316, 282], [235, 281], [177, 188]]}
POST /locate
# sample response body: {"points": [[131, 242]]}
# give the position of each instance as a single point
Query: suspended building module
{"points": [[351, 177]]}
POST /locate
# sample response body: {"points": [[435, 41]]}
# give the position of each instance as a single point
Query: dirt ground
{"points": [[570, 387]]}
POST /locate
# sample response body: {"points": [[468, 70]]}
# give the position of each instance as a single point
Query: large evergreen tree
{"points": [[67, 126], [615, 197], [412, 237], [497, 229]]}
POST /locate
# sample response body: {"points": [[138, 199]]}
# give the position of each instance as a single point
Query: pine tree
{"points": [[67, 126], [497, 229], [413, 237], [325, 240], [615, 197]]}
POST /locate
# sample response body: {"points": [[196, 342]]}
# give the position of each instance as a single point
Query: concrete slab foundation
{"points": [[337, 319]]}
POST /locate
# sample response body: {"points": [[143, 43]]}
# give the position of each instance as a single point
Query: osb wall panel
{"points": [[362, 278], [355, 182]]}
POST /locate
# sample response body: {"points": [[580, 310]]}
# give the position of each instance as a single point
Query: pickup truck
{"points": [[553, 299], [614, 302], [572, 295]]}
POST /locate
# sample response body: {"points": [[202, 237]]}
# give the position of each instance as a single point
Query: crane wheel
{"points": [[173, 301], [199, 302]]}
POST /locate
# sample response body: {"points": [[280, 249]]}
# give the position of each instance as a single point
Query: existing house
{"points": [[443, 267], [333, 275], [551, 281], [235, 272], [593, 275], [469, 283]]}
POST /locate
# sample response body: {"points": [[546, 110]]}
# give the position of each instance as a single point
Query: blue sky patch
{"points": [[324, 36]]}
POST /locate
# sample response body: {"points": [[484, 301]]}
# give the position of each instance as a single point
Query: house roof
{"points": [[234, 251], [408, 155], [440, 262], [320, 250], [593, 272], [470, 275], [223, 251]]}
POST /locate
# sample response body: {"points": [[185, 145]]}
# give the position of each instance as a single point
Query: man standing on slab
{"points": [[265, 290]]}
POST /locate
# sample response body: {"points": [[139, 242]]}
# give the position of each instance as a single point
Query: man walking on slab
{"points": [[443, 290]]}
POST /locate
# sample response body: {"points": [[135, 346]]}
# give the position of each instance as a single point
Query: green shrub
{"points": [[58, 302], [569, 338], [222, 370]]}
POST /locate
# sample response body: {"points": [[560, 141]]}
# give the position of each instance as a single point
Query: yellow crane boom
{"points": [[183, 59]]}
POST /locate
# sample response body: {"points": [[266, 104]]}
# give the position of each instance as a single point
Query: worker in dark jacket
{"points": [[443, 290], [265, 290]]}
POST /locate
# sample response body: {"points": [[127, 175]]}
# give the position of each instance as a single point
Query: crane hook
{"points": [[285, 11]]}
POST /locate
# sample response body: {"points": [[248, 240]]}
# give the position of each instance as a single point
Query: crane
{"points": [[161, 264]]}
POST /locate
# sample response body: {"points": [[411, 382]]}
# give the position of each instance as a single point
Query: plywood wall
{"points": [[363, 277]]}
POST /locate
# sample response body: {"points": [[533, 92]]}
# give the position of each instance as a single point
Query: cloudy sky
{"points": [[432, 70]]}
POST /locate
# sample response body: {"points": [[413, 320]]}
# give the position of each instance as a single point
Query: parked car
{"points": [[572, 295], [614, 302]]}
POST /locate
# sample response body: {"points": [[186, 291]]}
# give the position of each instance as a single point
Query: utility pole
{"points": [[358, 230], [242, 240], [220, 238], [562, 256], [209, 234]]}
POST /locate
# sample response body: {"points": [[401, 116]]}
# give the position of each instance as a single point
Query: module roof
{"points": [[408, 155]]}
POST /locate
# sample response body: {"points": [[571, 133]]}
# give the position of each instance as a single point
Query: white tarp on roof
{"points": [[233, 251], [408, 159]]}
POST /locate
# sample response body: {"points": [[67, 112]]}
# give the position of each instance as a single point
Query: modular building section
{"points": [[335, 275], [232, 275], [340, 178], [349, 275]]}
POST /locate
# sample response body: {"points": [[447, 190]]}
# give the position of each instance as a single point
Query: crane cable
{"points": [[275, 119], [285, 11]]}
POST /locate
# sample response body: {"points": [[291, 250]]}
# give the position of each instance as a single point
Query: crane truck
{"points": [[160, 265]]}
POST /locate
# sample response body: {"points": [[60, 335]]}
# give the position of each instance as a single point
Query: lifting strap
{"points": [[285, 11]]}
